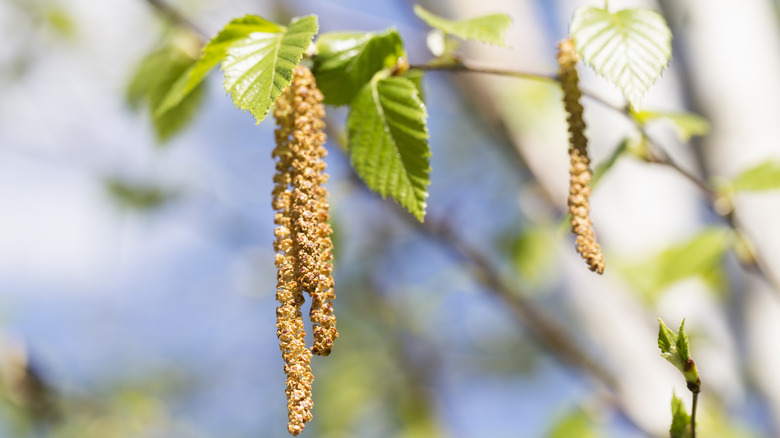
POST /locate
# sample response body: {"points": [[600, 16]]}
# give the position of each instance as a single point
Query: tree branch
{"points": [[174, 16]]}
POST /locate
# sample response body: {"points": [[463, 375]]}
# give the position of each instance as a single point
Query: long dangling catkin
{"points": [[579, 173], [302, 242]]}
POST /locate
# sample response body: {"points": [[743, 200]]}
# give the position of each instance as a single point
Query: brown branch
{"points": [[177, 18], [693, 413]]}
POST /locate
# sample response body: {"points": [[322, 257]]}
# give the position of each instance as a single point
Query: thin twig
{"points": [[693, 413], [176, 17], [460, 66], [473, 67], [659, 156]]}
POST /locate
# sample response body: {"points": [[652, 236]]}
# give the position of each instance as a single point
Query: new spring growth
{"points": [[303, 245], [579, 173], [674, 348]]}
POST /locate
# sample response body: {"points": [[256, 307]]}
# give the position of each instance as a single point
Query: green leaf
{"points": [[682, 341], [533, 254], [214, 52], [700, 256], [674, 348], [630, 48], [135, 196], [152, 80], [346, 62], [681, 421], [388, 141], [688, 125], [603, 167], [416, 77], [666, 338], [489, 29], [765, 176], [258, 67], [576, 423]]}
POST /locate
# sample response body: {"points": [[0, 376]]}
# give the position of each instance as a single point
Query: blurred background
{"points": [[136, 264]]}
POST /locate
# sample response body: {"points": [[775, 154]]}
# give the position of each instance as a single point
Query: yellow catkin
{"points": [[579, 172], [303, 242]]}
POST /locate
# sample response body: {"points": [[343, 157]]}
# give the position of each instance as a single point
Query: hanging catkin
{"points": [[303, 245], [579, 172]]}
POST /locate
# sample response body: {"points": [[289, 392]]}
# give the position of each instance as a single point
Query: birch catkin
{"points": [[303, 245], [579, 172]]}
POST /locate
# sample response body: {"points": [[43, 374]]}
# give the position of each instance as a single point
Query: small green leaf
{"points": [[674, 348], [576, 423], [630, 48], [681, 421], [215, 52], [135, 196], [60, 21], [700, 256], [416, 77], [152, 80], [489, 29], [388, 141], [345, 62], [258, 67], [666, 338], [688, 125], [765, 176], [682, 341], [603, 167], [533, 254]]}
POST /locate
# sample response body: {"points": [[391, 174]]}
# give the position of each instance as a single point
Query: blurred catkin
{"points": [[579, 172], [303, 246]]}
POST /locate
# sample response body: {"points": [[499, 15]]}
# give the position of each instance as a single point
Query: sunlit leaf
{"points": [[681, 421], [603, 167], [388, 141], [345, 62], [137, 196], [416, 76], [687, 125], [489, 29], [630, 48], [698, 257], [152, 80], [533, 254], [674, 348], [215, 52], [60, 21], [765, 176], [258, 67], [576, 423]]}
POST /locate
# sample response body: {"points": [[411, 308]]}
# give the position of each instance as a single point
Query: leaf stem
{"points": [[175, 17], [474, 67], [694, 405]]}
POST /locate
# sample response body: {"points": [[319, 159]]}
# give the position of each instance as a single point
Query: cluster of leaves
{"points": [[386, 127], [387, 130]]}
